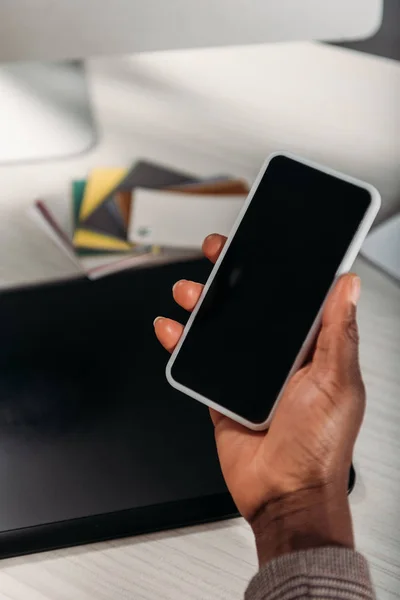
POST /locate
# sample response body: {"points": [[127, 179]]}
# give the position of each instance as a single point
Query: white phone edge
{"points": [[344, 267]]}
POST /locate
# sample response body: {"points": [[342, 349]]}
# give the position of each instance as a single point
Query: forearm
{"points": [[311, 518], [306, 551]]}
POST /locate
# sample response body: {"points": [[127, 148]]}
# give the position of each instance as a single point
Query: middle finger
{"points": [[187, 293]]}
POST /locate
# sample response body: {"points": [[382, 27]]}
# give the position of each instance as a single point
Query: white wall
{"points": [[334, 105]]}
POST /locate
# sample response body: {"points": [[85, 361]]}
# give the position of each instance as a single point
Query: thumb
{"points": [[337, 345]]}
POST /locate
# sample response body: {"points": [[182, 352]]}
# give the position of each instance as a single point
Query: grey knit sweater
{"points": [[325, 573]]}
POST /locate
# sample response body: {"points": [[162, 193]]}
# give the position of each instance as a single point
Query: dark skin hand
{"points": [[290, 483]]}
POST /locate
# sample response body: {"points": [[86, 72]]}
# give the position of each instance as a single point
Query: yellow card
{"points": [[100, 183], [83, 238]]}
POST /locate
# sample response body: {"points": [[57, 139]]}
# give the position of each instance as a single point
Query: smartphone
{"points": [[301, 227]]}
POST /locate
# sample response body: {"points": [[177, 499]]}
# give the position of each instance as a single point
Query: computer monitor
{"points": [[45, 109]]}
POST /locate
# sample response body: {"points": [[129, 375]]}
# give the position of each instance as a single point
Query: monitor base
{"points": [[45, 112]]}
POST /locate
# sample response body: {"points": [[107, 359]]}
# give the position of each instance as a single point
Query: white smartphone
{"points": [[301, 227]]}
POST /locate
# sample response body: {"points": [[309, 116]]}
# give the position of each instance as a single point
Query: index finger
{"points": [[212, 246]]}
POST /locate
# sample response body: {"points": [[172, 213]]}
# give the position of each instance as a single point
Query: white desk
{"points": [[213, 112]]}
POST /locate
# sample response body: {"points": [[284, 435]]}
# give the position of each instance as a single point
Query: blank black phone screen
{"points": [[269, 287]]}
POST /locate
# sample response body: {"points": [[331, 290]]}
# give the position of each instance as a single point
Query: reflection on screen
{"points": [[269, 287]]}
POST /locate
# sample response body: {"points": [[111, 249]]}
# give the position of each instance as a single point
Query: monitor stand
{"points": [[45, 112]]}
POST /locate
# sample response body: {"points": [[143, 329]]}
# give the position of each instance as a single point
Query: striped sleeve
{"points": [[324, 573]]}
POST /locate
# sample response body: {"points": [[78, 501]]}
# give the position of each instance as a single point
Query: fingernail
{"points": [[211, 236], [156, 320], [355, 290], [177, 284]]}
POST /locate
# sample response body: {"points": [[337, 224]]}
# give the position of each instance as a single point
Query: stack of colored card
{"points": [[148, 214]]}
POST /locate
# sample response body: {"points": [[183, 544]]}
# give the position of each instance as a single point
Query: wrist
{"points": [[309, 518]]}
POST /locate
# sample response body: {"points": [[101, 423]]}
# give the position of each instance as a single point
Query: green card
{"points": [[78, 191]]}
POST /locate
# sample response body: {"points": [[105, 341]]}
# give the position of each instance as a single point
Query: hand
{"points": [[302, 463]]}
